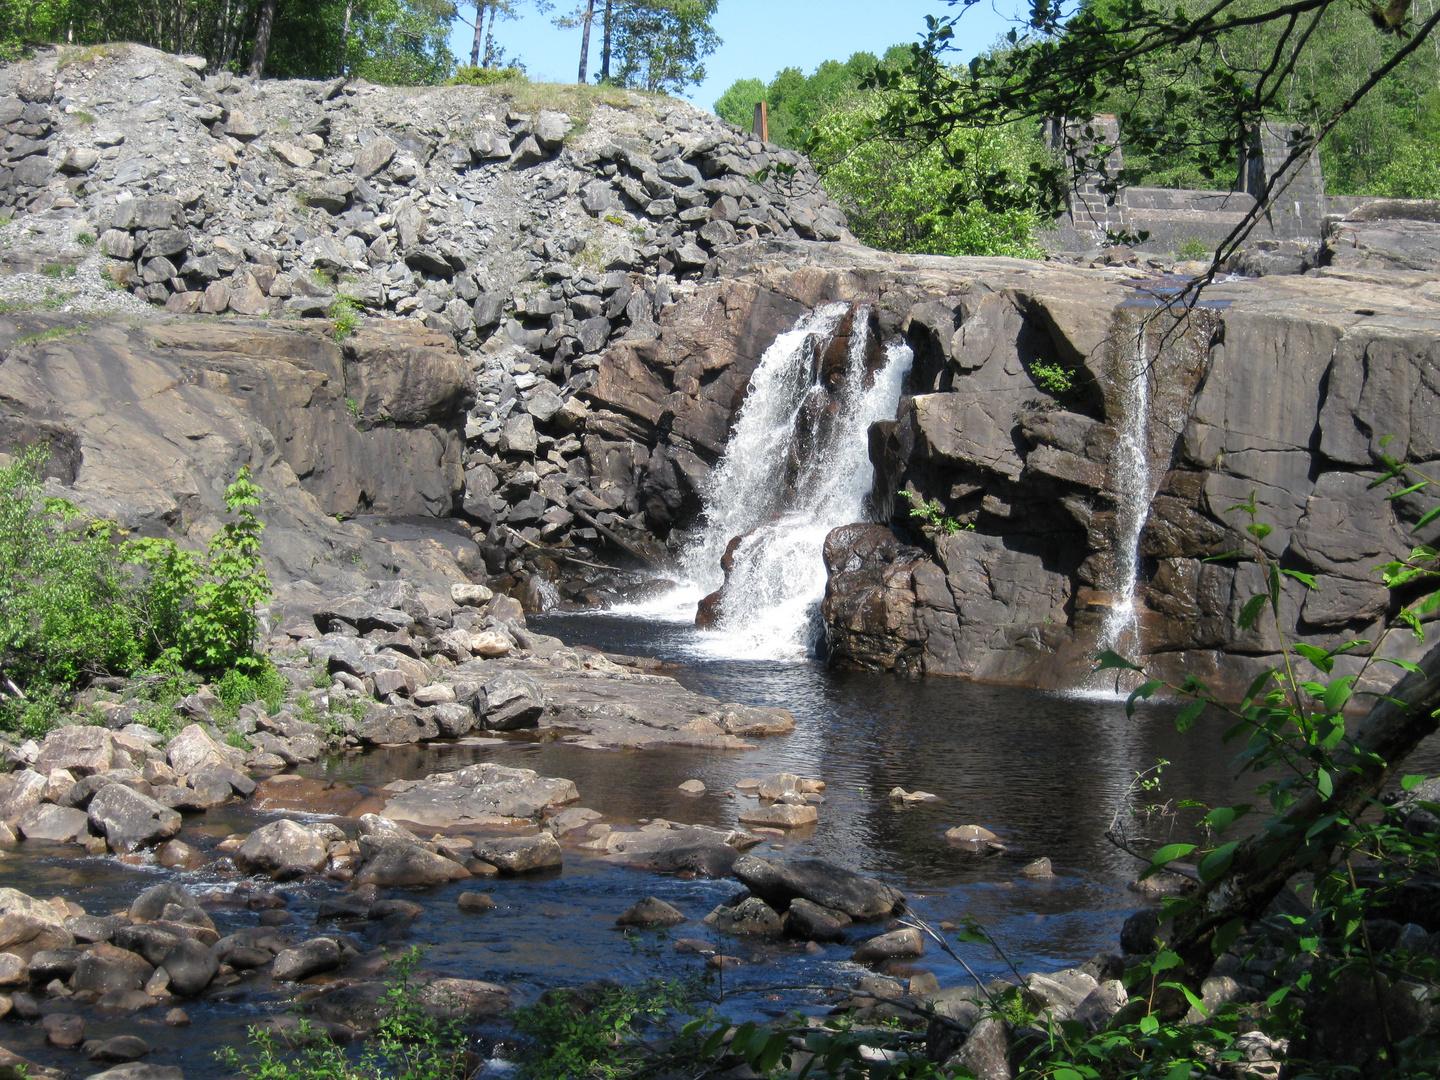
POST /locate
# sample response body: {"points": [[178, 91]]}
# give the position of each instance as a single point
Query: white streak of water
{"points": [[1130, 471], [772, 600]]}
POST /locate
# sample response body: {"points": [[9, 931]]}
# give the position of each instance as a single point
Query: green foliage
{"points": [[901, 195], [1194, 248], [85, 239], [598, 1034], [394, 41], [408, 1044], [932, 515], [479, 76], [262, 682], [661, 45], [198, 610], [1053, 379], [64, 607], [344, 316]]}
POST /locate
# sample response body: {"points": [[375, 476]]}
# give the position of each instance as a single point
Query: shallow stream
{"points": [[1045, 772]]}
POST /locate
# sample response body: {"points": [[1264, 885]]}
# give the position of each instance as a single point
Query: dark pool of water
{"points": [[1046, 772]]}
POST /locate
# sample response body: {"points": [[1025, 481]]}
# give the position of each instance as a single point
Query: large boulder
{"points": [[129, 820], [82, 750], [281, 844], [311, 958], [193, 749], [29, 926], [820, 882], [191, 966], [400, 862], [512, 700], [107, 967], [58, 824], [521, 854]]}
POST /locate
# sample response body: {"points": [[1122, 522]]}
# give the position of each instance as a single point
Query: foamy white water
{"points": [[772, 601], [1130, 467]]}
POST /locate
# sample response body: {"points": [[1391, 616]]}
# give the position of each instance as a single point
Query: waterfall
{"points": [[1130, 474], [796, 467]]}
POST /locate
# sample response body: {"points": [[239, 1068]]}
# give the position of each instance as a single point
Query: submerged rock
{"points": [[484, 794], [650, 912], [820, 882]]}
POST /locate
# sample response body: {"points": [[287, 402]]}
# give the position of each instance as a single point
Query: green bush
{"points": [[408, 1044], [479, 76], [199, 609], [344, 317], [76, 602], [1053, 379], [66, 609], [262, 682]]}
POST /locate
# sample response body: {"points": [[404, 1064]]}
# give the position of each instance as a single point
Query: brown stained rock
{"points": [[780, 815], [475, 902], [305, 795], [896, 945], [650, 912], [65, 1030]]}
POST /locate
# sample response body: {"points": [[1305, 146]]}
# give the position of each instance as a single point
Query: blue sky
{"points": [[761, 37]]}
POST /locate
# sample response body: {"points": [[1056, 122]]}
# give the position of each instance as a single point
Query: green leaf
{"points": [[1307, 579], [1338, 693], [1149, 1025], [1320, 826], [1185, 719], [1144, 690], [1221, 818], [1429, 516], [1214, 865], [1226, 935], [1169, 853], [1407, 491], [1108, 659], [1257, 685], [1251, 611], [742, 1037], [1317, 656], [1412, 781], [1324, 783]]}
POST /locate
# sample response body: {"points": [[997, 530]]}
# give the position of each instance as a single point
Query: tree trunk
{"points": [[345, 35], [479, 23], [262, 38], [605, 46], [490, 37], [1264, 863], [585, 22]]}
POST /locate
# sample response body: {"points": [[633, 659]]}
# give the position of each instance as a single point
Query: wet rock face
{"points": [[870, 599]]}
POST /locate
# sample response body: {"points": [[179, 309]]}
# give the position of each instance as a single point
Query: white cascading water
{"points": [[1130, 470], [772, 599]]}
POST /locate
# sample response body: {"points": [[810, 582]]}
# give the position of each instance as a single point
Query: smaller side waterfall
{"points": [[797, 466], [1130, 473]]}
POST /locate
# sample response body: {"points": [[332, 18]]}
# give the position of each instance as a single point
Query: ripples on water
{"points": [[1043, 771]]}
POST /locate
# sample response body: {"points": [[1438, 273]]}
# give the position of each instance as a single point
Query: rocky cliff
{"points": [[492, 248], [1282, 387], [560, 299]]}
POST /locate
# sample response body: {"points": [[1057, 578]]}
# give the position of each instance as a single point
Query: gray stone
{"points": [[650, 912], [278, 845], [521, 854], [58, 824], [512, 700], [370, 159], [820, 882], [314, 957], [129, 820]]}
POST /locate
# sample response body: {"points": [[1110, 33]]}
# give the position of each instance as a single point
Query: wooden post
{"points": [[761, 126]]}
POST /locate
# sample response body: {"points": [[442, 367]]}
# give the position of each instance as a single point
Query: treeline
{"points": [[656, 45], [1388, 145], [953, 189], [971, 192]]}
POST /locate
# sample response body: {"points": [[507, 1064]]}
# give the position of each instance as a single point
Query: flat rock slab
{"points": [[625, 709], [484, 794]]}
